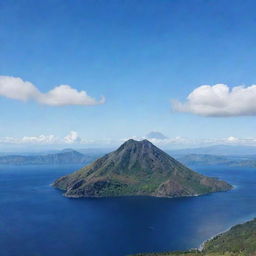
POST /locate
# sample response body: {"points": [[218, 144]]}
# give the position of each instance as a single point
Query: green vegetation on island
{"points": [[138, 168]]}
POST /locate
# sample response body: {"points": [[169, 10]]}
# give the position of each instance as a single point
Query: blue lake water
{"points": [[36, 220]]}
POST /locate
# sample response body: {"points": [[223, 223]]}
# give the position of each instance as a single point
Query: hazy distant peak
{"points": [[156, 135], [67, 150]]}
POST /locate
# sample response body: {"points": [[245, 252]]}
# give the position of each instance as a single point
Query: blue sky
{"points": [[139, 55]]}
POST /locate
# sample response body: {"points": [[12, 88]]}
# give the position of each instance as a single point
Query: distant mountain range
{"points": [[205, 159], [138, 168], [64, 157], [217, 150], [215, 155]]}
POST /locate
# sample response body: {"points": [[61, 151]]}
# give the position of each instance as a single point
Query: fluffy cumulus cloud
{"points": [[72, 137], [219, 101], [18, 89]]}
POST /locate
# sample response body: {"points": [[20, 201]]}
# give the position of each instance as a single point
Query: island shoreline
{"points": [[202, 245]]}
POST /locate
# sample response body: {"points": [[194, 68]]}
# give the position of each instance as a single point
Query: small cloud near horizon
{"points": [[73, 138], [185, 142]]}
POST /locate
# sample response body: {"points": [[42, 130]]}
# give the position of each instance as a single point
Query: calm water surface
{"points": [[36, 220]]}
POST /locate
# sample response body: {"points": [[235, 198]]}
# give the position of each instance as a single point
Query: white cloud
{"points": [[16, 88], [72, 137], [45, 139], [238, 141], [65, 95], [183, 142], [232, 139], [219, 101], [41, 139]]}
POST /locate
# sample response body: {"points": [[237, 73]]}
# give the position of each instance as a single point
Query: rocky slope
{"points": [[138, 168]]}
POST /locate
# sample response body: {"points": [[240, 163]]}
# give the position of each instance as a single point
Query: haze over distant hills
{"points": [[218, 155], [206, 159], [67, 156], [217, 150], [138, 168]]}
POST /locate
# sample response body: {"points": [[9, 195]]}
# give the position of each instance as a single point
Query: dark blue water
{"points": [[36, 220]]}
